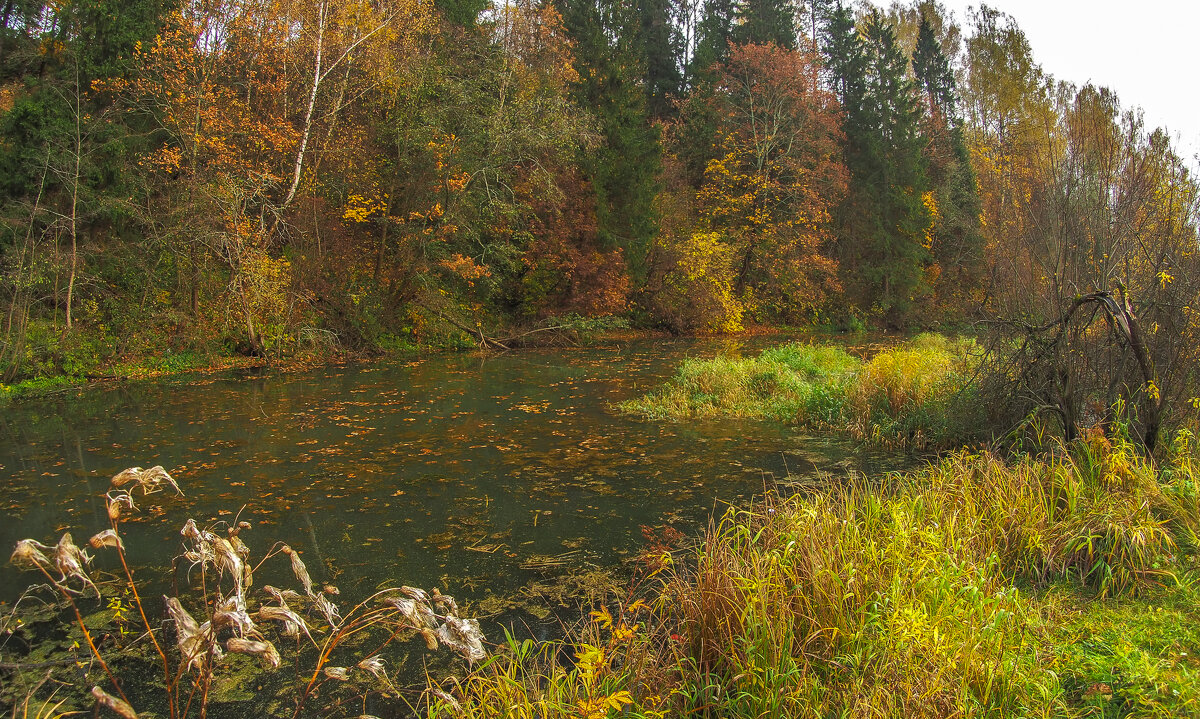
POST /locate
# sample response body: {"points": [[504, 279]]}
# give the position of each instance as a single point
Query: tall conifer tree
{"points": [[660, 49], [713, 37], [886, 217], [932, 71], [624, 170], [767, 21]]}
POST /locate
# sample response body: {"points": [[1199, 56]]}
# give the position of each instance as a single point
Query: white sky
{"points": [[1147, 51]]}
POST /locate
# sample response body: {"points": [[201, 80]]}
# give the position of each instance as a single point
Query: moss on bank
{"points": [[1057, 587], [918, 394]]}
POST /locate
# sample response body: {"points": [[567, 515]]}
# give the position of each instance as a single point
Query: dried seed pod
{"points": [[127, 476], [107, 538], [299, 569], [374, 665], [29, 554], [150, 480], [68, 550], [184, 623], [327, 609], [265, 651], [157, 475], [117, 502], [191, 531], [407, 609], [232, 616], [227, 560], [201, 553], [238, 545], [427, 617], [293, 623], [71, 560], [283, 596], [445, 602], [195, 641], [108, 701], [417, 594], [431, 640], [463, 636]]}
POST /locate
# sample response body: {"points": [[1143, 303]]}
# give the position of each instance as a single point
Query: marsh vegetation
{"points": [[918, 394], [1061, 585]]}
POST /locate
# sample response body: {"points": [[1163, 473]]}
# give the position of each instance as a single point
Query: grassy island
{"points": [[917, 394]]}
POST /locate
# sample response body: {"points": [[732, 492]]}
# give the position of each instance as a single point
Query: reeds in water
{"points": [[233, 620]]}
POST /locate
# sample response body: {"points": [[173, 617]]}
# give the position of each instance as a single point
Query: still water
{"points": [[477, 474]]}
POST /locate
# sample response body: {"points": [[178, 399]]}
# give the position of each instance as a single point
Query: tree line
{"points": [[280, 176]]}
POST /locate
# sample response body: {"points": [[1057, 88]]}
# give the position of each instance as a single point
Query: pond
{"points": [[478, 474]]}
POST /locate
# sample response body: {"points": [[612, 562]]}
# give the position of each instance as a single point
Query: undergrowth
{"points": [[917, 395], [1059, 586]]}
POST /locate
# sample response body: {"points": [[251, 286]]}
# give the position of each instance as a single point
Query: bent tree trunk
{"points": [[1126, 329]]}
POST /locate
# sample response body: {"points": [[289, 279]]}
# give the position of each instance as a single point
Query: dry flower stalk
{"points": [[150, 480], [108, 701], [264, 650], [107, 538]]}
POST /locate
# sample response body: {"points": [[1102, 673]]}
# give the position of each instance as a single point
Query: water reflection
{"points": [[476, 474]]}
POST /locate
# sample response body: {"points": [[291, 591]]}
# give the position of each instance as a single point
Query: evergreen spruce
{"points": [[884, 220], [845, 57], [461, 12], [932, 71], [713, 37], [624, 169], [767, 21], [660, 48]]}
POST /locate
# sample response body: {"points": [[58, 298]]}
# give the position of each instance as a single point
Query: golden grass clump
{"points": [[918, 395], [961, 590]]}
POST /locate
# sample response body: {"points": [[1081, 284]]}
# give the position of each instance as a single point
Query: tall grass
{"points": [[957, 591], [918, 395], [794, 380]]}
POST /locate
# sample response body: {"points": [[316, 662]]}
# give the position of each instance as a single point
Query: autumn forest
{"points": [[858, 369], [283, 178]]}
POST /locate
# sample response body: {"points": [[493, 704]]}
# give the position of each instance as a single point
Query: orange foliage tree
{"points": [[769, 192], [245, 96]]}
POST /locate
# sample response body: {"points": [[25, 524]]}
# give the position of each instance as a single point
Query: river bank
{"points": [[1059, 587], [1054, 583], [916, 394], [175, 364]]}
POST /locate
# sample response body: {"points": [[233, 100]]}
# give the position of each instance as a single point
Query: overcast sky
{"points": [[1148, 51]]}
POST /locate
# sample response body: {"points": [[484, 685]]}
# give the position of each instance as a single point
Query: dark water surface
{"points": [[467, 472]]}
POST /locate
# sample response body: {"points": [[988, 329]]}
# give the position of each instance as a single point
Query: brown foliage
{"points": [[566, 269], [777, 175]]}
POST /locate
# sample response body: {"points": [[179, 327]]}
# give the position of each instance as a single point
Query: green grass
{"points": [[781, 383], [1128, 657], [1064, 586], [39, 387], [917, 395]]}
